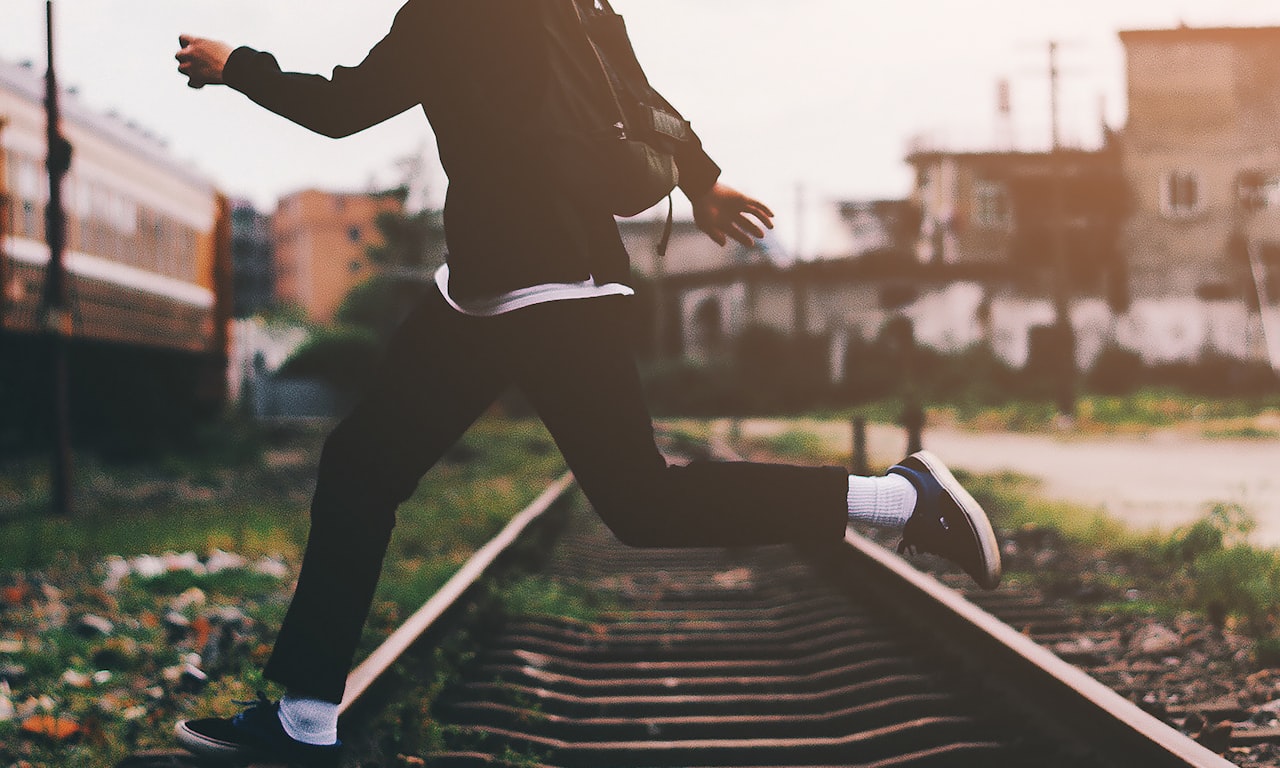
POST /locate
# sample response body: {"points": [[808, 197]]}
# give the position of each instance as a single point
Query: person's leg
{"points": [[434, 381], [436, 378], [573, 361]]}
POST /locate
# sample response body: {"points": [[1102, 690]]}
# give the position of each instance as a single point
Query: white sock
{"points": [[885, 501], [311, 721]]}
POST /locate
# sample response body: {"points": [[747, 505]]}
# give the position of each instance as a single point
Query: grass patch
{"points": [[793, 445], [250, 499], [1146, 409], [1244, 432], [1207, 567], [1014, 503]]}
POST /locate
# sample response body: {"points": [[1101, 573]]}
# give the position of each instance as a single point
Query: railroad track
{"points": [[835, 656]]}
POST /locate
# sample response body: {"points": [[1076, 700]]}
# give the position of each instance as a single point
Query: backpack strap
{"points": [[666, 229]]}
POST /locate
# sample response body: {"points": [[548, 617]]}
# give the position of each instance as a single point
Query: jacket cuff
{"points": [[698, 172], [242, 66]]}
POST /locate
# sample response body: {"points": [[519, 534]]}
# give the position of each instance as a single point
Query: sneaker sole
{"points": [[974, 515], [203, 745]]}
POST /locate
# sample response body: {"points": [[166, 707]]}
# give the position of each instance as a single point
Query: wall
{"points": [[951, 317]]}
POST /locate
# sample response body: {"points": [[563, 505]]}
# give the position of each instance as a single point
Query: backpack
{"points": [[608, 134]]}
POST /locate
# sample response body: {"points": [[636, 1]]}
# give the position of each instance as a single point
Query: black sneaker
{"points": [[254, 734], [947, 521]]}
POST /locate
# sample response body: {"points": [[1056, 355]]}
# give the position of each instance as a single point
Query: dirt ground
{"points": [[1161, 479]]}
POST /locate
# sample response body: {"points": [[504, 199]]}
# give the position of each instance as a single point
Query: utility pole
{"points": [[799, 290], [4, 230], [1064, 336], [54, 305]]}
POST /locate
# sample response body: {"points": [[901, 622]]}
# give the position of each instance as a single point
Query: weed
{"points": [[546, 596]]}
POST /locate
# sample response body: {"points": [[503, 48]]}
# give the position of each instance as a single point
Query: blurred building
{"points": [[705, 296], [1164, 242], [321, 246], [998, 209], [252, 250], [1201, 155]]}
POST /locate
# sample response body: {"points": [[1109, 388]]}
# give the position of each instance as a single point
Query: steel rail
{"points": [[377, 663], [1068, 699], [423, 621], [722, 703]]}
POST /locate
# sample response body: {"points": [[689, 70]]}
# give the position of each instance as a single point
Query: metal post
{"points": [[4, 231], [54, 305], [1064, 335], [913, 420], [858, 461], [799, 289]]}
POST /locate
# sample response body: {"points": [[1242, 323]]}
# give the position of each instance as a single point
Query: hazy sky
{"points": [[820, 93]]}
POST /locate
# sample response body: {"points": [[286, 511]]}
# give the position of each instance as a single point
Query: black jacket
{"points": [[477, 68]]}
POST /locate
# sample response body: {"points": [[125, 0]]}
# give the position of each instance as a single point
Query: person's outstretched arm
{"points": [[380, 87], [719, 210]]}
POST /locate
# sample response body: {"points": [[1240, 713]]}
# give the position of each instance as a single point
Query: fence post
{"points": [[913, 420], [858, 462]]}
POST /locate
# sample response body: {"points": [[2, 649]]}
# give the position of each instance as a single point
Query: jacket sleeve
{"points": [[382, 86], [698, 172]]}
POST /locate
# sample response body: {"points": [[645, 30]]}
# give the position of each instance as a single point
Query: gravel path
{"points": [[1162, 480]]}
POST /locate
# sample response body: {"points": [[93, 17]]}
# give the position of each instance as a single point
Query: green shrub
{"points": [[1116, 371], [341, 357], [1240, 582], [1224, 525]]}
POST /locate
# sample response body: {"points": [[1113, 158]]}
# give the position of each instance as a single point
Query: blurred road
{"points": [[1161, 480]]}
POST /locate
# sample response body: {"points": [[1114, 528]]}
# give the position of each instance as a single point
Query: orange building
{"points": [[321, 242]]}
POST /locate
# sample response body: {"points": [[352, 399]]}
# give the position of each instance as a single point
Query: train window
{"points": [[124, 215], [83, 199], [29, 178], [29, 219], [100, 203]]}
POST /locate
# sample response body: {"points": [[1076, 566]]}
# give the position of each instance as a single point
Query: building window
{"points": [[353, 234], [991, 208], [1257, 190], [1180, 193]]}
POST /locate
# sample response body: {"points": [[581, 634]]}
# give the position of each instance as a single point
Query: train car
{"points": [[147, 263]]}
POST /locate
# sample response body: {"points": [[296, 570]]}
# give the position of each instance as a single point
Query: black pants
{"points": [[573, 362]]}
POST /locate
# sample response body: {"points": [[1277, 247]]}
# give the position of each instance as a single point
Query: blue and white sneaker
{"points": [[254, 734], [947, 521]]}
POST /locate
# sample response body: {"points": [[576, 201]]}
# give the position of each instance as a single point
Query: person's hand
{"points": [[201, 60], [722, 213]]}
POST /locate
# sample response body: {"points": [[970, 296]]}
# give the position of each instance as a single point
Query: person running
{"points": [[534, 295]]}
